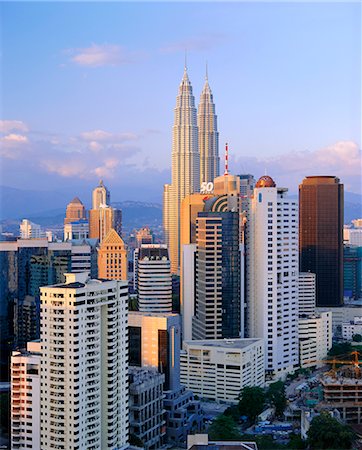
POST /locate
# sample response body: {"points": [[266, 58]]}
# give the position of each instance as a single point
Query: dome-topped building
{"points": [[265, 182]]}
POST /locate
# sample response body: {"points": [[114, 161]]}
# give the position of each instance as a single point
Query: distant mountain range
{"points": [[48, 208], [18, 205]]}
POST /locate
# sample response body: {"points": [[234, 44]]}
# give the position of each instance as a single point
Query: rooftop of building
{"points": [[143, 374], [226, 445], [92, 242], [153, 252], [339, 380], [76, 201], [78, 222], [78, 280], [265, 181], [32, 347], [201, 442], [152, 314], [224, 343], [320, 179], [112, 237]]}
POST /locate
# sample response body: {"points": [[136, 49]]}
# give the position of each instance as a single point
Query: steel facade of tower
{"points": [[208, 136], [321, 236], [217, 312], [185, 167]]}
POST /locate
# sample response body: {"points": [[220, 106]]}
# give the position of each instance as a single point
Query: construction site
{"points": [[342, 389]]}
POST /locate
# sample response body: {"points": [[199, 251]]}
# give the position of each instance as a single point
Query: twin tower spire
{"points": [[195, 157]]}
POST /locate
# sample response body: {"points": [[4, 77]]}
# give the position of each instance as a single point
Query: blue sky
{"points": [[88, 90]]}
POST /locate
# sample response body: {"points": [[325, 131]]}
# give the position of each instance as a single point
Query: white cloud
{"points": [[14, 138], [96, 135], [96, 152], [101, 141], [342, 159], [6, 126], [107, 169], [95, 146], [101, 55]]}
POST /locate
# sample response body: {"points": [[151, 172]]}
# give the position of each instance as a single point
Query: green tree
{"points": [[263, 442], [251, 402], [357, 338], [276, 397], [234, 412], [326, 432], [223, 428], [296, 442], [340, 349]]}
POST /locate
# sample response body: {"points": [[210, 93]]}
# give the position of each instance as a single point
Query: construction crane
{"points": [[355, 363]]}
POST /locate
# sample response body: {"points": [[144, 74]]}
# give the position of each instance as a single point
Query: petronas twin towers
{"points": [[195, 158]]}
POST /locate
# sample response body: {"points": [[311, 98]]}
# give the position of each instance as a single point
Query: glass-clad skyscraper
{"points": [[321, 236]]}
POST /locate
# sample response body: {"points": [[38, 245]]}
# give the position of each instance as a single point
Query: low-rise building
{"points": [[315, 338], [341, 314], [219, 369], [349, 329], [146, 406]]}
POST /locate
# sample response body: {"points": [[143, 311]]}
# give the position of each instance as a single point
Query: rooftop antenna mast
{"points": [[226, 159]]}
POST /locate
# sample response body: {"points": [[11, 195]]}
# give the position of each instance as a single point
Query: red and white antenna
{"points": [[226, 159]]}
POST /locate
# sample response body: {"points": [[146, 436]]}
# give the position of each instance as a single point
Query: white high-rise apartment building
{"points": [[84, 364], [208, 136], [188, 289], [315, 339], [30, 230], [307, 293], [25, 397], [154, 279], [185, 167], [272, 275]]}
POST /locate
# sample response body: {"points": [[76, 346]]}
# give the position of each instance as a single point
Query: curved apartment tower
{"points": [[208, 136], [185, 167], [154, 279]]}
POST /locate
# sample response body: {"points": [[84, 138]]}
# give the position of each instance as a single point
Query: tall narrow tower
{"points": [[185, 167], [208, 136], [100, 196]]}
